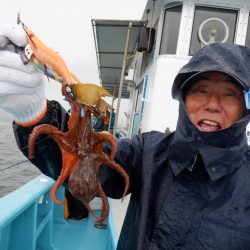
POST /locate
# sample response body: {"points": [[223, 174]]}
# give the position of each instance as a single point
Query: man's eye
{"points": [[201, 91], [230, 94]]}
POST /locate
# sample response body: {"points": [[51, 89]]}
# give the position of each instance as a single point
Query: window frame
{"points": [[236, 23], [167, 7]]}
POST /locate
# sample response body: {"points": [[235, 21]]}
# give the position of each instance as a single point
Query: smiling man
{"points": [[214, 101]]}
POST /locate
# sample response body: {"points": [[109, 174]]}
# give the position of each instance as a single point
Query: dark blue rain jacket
{"points": [[189, 189]]}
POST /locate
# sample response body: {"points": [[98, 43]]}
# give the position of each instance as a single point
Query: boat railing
{"points": [[27, 216]]}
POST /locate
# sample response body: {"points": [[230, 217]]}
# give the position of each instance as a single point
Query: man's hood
{"points": [[227, 58], [218, 149]]}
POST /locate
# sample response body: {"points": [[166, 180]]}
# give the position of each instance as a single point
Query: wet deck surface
{"points": [[119, 209], [78, 235], [84, 235]]}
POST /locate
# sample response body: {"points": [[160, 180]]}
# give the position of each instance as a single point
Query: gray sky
{"points": [[65, 26]]}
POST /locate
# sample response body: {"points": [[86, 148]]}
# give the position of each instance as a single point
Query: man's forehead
{"points": [[216, 76]]}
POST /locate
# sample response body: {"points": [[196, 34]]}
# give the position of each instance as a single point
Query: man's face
{"points": [[214, 102]]}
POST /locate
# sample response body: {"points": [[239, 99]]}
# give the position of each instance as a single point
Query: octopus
{"points": [[81, 147], [82, 155]]}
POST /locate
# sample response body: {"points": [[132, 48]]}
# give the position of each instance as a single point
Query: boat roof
{"points": [[110, 38]]}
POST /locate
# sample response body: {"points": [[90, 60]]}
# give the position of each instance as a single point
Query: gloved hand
{"points": [[22, 91]]}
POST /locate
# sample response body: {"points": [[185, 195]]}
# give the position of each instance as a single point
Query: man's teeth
{"points": [[211, 123]]}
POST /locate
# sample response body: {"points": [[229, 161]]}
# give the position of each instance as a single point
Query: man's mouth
{"points": [[208, 125]]}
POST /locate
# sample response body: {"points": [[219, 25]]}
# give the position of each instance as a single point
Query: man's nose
{"points": [[214, 103]]}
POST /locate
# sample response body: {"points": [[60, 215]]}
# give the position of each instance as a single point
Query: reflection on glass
{"points": [[170, 30], [212, 25]]}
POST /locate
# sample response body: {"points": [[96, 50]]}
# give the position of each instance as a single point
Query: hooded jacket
{"points": [[189, 189], [172, 207]]}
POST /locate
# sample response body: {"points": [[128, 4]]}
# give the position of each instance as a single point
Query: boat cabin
{"points": [[166, 37]]}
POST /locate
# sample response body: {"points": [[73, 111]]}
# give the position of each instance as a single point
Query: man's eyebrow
{"points": [[230, 80]]}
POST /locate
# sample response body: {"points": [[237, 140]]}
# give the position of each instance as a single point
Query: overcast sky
{"points": [[65, 26]]}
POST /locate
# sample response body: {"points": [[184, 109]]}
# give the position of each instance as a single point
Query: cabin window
{"points": [[170, 31], [212, 25]]}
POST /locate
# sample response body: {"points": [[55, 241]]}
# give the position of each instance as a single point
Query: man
{"points": [[189, 189], [99, 124], [106, 117]]}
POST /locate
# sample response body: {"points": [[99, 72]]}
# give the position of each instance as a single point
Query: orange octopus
{"points": [[81, 147], [82, 155]]}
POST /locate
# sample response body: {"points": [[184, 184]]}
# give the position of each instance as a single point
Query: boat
{"points": [[170, 32], [138, 64], [30, 220]]}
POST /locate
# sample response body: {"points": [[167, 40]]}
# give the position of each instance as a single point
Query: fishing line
{"points": [[14, 165]]}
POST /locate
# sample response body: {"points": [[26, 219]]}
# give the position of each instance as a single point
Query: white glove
{"points": [[21, 85]]}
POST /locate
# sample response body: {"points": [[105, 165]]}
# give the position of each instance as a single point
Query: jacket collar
{"points": [[219, 150]]}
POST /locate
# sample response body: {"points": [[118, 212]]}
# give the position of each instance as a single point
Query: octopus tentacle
{"points": [[105, 204], [106, 137], [69, 162], [63, 140], [69, 159], [39, 130], [75, 117], [107, 162], [91, 211]]}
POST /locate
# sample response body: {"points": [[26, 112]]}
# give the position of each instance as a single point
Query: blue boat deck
{"points": [[79, 235], [30, 220]]}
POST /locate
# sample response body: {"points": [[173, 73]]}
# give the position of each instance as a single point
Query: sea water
{"points": [[15, 169]]}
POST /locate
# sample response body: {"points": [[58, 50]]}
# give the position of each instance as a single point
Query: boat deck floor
{"points": [[76, 234]]}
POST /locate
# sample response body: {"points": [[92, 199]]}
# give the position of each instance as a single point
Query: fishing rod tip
{"points": [[18, 18], [20, 22]]}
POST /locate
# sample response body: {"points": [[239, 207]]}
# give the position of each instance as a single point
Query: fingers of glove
{"points": [[19, 78], [13, 60], [19, 102], [14, 33], [24, 107], [7, 88], [6, 102]]}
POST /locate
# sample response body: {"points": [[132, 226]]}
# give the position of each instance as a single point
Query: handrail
{"points": [[26, 214], [13, 204]]}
